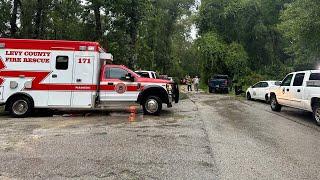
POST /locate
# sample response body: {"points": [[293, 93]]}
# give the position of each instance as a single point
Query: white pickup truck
{"points": [[300, 90], [148, 74]]}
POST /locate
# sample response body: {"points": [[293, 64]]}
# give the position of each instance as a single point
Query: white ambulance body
{"points": [[52, 74]]}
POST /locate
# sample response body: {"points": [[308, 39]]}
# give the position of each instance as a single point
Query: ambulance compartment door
{"points": [[60, 87], [83, 78]]}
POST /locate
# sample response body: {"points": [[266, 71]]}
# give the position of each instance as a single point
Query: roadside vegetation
{"points": [[1, 110], [250, 40]]}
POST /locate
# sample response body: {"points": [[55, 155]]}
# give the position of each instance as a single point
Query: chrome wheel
{"points": [[152, 106], [20, 107]]}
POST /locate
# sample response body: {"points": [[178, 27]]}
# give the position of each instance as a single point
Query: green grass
{"points": [[204, 87]]}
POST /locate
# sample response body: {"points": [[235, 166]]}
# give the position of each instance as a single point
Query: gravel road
{"points": [[203, 137]]}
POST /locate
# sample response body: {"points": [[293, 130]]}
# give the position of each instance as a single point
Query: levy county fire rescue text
{"points": [[73, 75]]}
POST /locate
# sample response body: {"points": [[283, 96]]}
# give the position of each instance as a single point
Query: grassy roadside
{"points": [[204, 87]]}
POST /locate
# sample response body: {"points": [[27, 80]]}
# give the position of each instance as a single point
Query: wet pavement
{"points": [[204, 137]]}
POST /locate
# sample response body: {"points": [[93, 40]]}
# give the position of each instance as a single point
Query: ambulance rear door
{"points": [[83, 78]]}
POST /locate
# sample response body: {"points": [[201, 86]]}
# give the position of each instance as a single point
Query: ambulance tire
{"points": [[20, 107], [152, 105]]}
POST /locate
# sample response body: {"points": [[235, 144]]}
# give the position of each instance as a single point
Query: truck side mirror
{"points": [[278, 83], [281, 83]]}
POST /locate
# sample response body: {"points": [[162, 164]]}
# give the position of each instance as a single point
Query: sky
{"points": [[194, 30]]}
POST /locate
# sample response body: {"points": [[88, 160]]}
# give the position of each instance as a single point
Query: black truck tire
{"points": [[210, 90], [275, 106], [152, 105], [316, 113], [249, 96], [20, 107]]}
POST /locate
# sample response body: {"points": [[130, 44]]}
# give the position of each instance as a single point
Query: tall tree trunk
{"points": [[96, 9], [133, 31], [13, 20], [38, 20]]}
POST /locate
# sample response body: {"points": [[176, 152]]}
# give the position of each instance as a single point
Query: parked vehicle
{"points": [[53, 74], [219, 83], [171, 79], [300, 90], [261, 90], [148, 74]]}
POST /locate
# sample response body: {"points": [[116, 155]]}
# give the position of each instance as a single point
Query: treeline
{"points": [[249, 40], [139, 33], [258, 39]]}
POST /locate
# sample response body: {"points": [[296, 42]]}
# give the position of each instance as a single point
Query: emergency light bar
{"points": [[90, 48], [83, 48], [86, 48]]}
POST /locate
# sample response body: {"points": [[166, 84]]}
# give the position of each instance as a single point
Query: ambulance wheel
{"points": [[152, 105], [20, 107]]}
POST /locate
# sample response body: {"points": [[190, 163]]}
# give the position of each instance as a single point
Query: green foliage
{"points": [[249, 40], [301, 26], [5, 7], [253, 43], [64, 22], [212, 51], [237, 61]]}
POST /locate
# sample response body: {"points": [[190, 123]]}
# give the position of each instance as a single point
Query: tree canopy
{"points": [[246, 39]]}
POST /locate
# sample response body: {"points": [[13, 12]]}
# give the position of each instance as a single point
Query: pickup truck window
{"points": [[314, 76], [298, 79], [287, 80], [116, 73]]}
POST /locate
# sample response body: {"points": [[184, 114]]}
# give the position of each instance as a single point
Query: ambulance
{"points": [[73, 75]]}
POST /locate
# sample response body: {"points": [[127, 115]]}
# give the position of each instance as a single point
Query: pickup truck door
{"points": [[297, 90], [283, 96], [114, 89]]}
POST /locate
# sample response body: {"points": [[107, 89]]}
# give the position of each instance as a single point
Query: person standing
{"points": [[189, 83], [196, 82]]}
